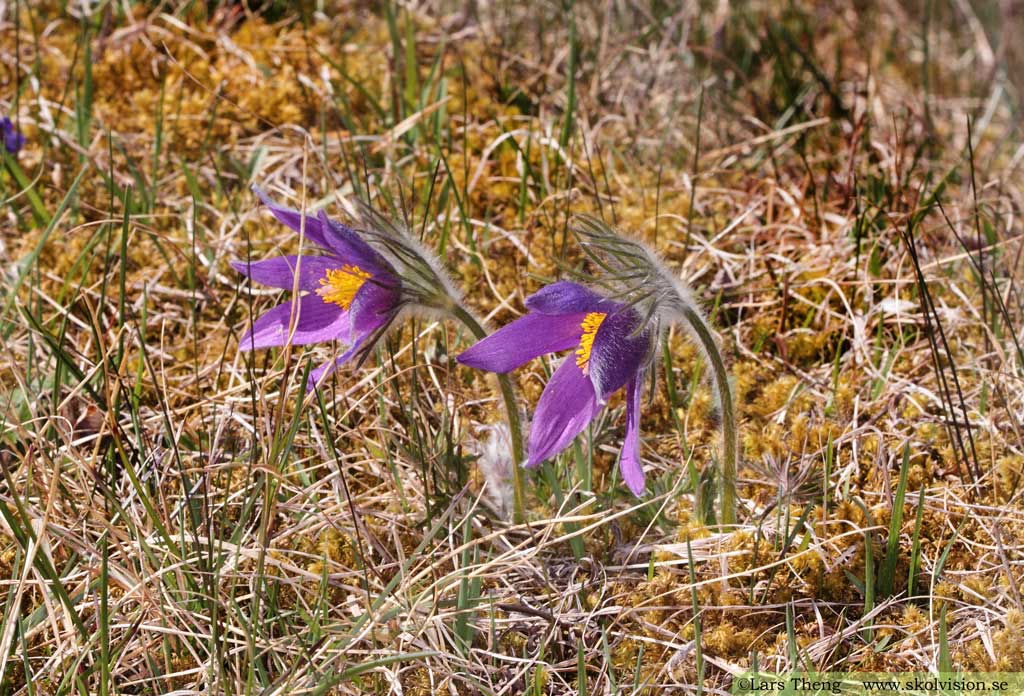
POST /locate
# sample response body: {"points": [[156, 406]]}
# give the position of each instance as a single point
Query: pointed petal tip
{"points": [[526, 338], [566, 406], [261, 194], [318, 376], [637, 489], [478, 360], [633, 474], [629, 461]]}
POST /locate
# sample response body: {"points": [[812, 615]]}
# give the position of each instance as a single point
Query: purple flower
{"points": [[13, 140], [352, 293], [638, 276], [612, 347]]}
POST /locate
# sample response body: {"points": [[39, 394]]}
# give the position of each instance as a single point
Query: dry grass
{"points": [[178, 516]]}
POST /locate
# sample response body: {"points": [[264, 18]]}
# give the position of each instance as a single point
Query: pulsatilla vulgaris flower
{"points": [[352, 293], [611, 348], [355, 290], [641, 279]]}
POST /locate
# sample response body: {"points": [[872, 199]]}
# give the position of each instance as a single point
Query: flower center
{"points": [[591, 323], [340, 285]]}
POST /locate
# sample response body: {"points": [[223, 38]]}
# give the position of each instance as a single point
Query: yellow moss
{"points": [[913, 619], [824, 431], [836, 586], [7, 555], [748, 376], [807, 564], [728, 640], [701, 404], [690, 528], [751, 546], [416, 682], [625, 653], [1009, 470], [942, 595], [917, 477], [810, 347], [513, 642], [849, 511], [337, 547], [975, 589], [844, 395], [1008, 643], [769, 442], [798, 432], [774, 396]]}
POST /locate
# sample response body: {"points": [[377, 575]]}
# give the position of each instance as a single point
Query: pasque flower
{"points": [[639, 278], [611, 348], [354, 290], [352, 293]]}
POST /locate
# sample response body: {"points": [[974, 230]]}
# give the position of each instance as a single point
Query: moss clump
{"points": [[729, 640]]}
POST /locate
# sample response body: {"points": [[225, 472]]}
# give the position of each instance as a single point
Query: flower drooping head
{"points": [[639, 278], [611, 347]]}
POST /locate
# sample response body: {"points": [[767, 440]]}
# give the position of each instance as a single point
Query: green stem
{"points": [[703, 331], [512, 412]]}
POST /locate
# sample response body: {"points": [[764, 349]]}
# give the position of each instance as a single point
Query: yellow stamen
{"points": [[341, 284], [591, 323]]}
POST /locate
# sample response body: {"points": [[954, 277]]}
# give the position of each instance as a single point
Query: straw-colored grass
{"points": [[841, 187]]}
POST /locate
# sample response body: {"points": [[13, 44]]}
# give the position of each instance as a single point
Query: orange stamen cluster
{"points": [[341, 284], [591, 323]]}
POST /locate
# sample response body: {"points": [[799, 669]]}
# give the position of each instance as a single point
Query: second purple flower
{"points": [[611, 349]]}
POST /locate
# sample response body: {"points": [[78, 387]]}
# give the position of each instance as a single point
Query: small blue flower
{"points": [[13, 140]]}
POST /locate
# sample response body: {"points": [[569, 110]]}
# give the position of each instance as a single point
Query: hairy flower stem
{"points": [[512, 410], [703, 332]]}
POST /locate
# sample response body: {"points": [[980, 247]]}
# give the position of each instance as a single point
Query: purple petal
{"points": [[629, 461], [617, 354], [331, 235], [279, 272], [567, 405], [346, 242], [317, 321], [523, 340], [565, 297], [13, 140], [293, 219], [369, 326], [319, 374], [372, 306]]}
